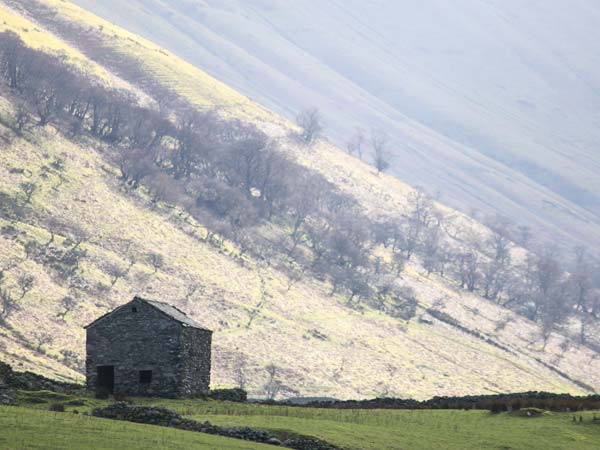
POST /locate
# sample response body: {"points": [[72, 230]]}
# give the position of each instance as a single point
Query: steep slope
{"points": [[322, 346], [494, 104]]}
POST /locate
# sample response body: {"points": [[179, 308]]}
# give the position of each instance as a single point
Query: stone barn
{"points": [[148, 348]]}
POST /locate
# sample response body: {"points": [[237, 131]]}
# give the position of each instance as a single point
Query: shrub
{"points": [[232, 395], [497, 407], [56, 407]]}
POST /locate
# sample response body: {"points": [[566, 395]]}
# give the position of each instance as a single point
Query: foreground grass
{"points": [[434, 430], [410, 430], [35, 427], [25, 429]]}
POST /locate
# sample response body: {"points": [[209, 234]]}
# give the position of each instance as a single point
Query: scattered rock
{"points": [[231, 395], [308, 443]]}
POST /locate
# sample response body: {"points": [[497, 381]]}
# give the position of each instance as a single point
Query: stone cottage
{"points": [[148, 348]]}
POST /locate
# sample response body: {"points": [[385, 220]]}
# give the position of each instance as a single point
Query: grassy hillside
{"points": [[492, 104], [32, 427], [26, 429], [429, 430], [321, 345]]}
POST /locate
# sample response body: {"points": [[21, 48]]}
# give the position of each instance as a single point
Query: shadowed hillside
{"points": [[493, 104]]}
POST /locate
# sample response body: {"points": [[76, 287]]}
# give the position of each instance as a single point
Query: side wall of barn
{"points": [[195, 374]]}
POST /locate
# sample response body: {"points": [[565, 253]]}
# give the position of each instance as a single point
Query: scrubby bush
{"points": [[232, 395], [56, 407]]}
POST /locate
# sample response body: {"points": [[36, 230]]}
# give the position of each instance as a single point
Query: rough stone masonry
{"points": [[148, 348]]}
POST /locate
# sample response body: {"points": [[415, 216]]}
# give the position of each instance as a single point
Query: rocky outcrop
{"points": [[7, 395], [30, 381]]}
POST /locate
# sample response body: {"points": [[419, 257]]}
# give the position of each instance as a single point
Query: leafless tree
{"points": [[495, 271], [355, 146], [28, 188], [42, 338], [116, 272], [582, 290], [7, 304], [22, 118], [379, 150], [466, 264], [26, 283], [71, 359], [156, 260], [67, 305], [422, 215], [191, 289], [311, 125], [273, 385], [239, 371], [524, 236], [135, 165]]}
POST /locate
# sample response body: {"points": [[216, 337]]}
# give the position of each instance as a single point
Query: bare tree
{"points": [[379, 151], [28, 188], [156, 260], [581, 288], [355, 145], [421, 216], [26, 283], [135, 165], [495, 272], [67, 305], [116, 272], [433, 251], [311, 125], [524, 236], [22, 118], [191, 289], [42, 338], [71, 359], [7, 304], [239, 371], [273, 386], [466, 264]]}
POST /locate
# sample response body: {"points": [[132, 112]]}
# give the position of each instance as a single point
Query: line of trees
{"points": [[233, 179]]}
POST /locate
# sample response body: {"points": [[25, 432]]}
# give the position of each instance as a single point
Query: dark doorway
{"points": [[106, 379]]}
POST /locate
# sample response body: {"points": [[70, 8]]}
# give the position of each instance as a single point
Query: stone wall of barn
{"points": [[134, 338], [196, 357]]}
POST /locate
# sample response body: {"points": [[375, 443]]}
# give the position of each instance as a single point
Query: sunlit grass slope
{"points": [[254, 312], [27, 429], [250, 307], [349, 429], [183, 78], [429, 430]]}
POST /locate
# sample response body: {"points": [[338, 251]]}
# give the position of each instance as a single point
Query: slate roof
{"points": [[169, 310], [174, 313]]}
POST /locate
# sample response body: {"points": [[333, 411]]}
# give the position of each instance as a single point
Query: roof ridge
{"points": [[163, 303], [167, 309]]}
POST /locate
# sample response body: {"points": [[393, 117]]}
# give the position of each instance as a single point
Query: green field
{"points": [[34, 427]]}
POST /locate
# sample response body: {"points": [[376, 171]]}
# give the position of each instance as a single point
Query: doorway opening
{"points": [[106, 379]]}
